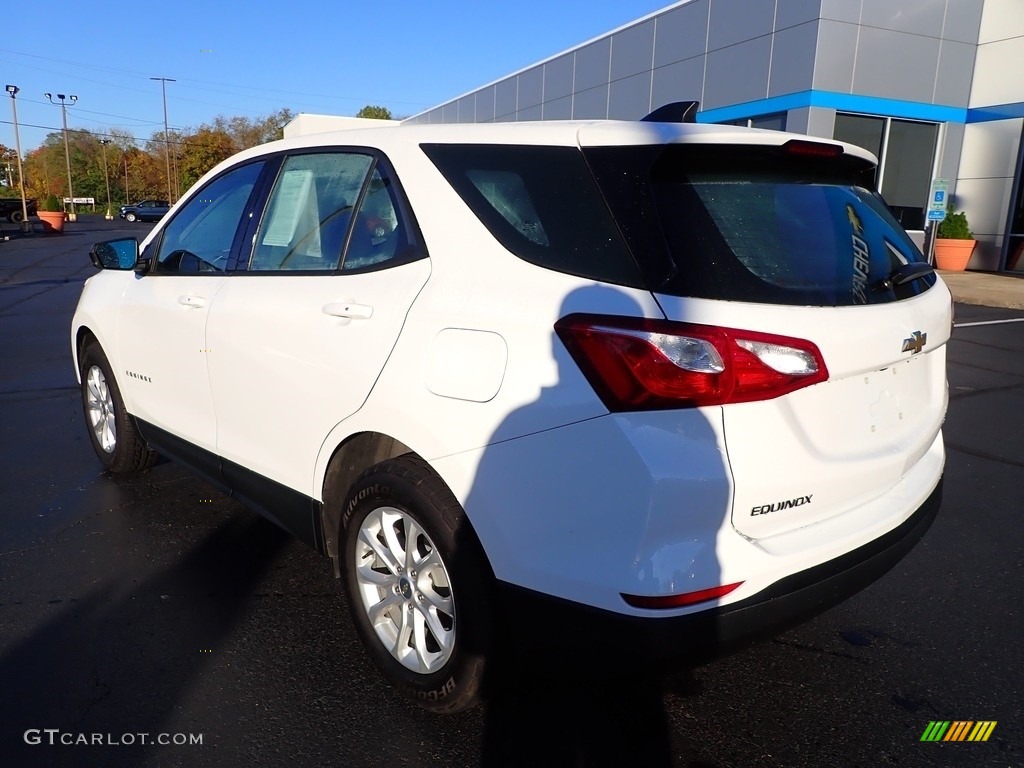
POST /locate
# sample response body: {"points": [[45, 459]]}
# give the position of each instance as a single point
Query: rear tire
{"points": [[111, 430], [418, 583], [16, 217]]}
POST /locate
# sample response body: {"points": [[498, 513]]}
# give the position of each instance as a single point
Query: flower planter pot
{"points": [[953, 255], [53, 221]]}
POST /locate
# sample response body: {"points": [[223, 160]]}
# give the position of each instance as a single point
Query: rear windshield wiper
{"points": [[907, 273]]}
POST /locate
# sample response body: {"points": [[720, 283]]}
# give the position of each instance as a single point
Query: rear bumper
{"points": [[711, 633]]}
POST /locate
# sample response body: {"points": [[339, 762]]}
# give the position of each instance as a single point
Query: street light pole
{"points": [[167, 139], [72, 216], [26, 226], [106, 175]]}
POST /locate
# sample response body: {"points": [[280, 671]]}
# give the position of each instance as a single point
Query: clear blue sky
{"points": [[252, 58]]}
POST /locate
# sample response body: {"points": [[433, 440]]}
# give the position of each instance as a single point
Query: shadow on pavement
{"points": [[120, 659]]}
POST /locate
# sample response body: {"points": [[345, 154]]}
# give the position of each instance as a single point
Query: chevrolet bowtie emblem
{"points": [[915, 343]]}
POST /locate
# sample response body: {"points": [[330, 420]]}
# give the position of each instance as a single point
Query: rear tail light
{"points": [[635, 364], [680, 601]]}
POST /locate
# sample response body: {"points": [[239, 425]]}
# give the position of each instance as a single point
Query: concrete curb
{"points": [[987, 289]]}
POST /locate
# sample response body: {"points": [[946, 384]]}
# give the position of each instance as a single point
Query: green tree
{"points": [[9, 173], [374, 112]]}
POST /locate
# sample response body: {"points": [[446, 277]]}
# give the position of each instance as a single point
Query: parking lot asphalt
{"points": [[155, 605]]}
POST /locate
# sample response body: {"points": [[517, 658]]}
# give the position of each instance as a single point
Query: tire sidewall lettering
{"points": [[435, 695], [376, 492]]}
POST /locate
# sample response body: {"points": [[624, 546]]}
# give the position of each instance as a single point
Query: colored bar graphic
{"points": [[935, 731], [958, 730], [982, 730]]}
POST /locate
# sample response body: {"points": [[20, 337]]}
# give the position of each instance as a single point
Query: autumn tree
{"points": [[248, 132], [44, 168], [137, 170], [202, 151], [146, 177]]}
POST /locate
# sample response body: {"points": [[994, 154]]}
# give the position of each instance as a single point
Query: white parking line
{"points": [[989, 322]]}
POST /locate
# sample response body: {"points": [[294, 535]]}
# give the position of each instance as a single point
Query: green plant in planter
{"points": [[52, 203], [954, 226]]}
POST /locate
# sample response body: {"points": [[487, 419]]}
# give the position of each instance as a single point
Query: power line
{"points": [[198, 84]]}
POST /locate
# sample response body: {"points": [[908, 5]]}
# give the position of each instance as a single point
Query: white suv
{"points": [[673, 384]]}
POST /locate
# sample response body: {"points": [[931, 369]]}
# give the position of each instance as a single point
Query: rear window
{"points": [[542, 204], [756, 224]]}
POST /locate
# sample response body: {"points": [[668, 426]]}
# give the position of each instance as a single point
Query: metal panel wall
{"points": [[911, 59]]}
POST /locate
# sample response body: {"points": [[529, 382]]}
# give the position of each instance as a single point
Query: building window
{"points": [[906, 154], [776, 122]]}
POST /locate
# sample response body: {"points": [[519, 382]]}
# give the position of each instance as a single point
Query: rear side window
{"points": [[541, 203], [309, 212], [752, 224]]}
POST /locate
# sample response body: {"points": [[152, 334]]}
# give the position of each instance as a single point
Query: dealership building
{"points": [[935, 88]]}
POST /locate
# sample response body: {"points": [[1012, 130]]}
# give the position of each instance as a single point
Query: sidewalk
{"points": [[988, 289]]}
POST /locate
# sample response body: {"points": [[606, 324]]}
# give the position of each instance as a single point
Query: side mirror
{"points": [[115, 254]]}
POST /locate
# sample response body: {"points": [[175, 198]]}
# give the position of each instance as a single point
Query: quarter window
{"points": [[199, 237], [378, 233], [540, 203]]}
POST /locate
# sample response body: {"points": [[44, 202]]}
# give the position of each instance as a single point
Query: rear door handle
{"points": [[349, 309], [191, 300]]}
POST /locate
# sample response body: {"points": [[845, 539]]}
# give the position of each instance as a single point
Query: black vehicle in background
{"points": [[145, 210], [11, 209]]}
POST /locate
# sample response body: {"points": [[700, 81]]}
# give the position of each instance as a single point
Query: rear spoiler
{"points": [[676, 112]]}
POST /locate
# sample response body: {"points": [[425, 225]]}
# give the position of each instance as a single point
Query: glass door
{"points": [[1015, 221]]}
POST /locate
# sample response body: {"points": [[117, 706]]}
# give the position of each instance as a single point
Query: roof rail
{"points": [[676, 112]]}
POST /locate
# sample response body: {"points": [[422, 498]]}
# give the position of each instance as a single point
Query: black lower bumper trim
{"points": [[557, 624]]}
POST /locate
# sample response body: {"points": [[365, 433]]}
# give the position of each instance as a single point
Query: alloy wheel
{"points": [[100, 409], [405, 590]]}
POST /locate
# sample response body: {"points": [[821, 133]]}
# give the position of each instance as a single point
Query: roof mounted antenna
{"points": [[676, 112]]}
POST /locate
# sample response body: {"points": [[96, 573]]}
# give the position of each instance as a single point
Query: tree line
{"points": [[138, 170]]}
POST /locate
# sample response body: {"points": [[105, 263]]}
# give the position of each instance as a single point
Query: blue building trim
{"points": [[997, 112], [843, 102]]}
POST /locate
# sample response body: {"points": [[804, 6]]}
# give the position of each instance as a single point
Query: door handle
{"points": [[348, 309], [191, 300]]}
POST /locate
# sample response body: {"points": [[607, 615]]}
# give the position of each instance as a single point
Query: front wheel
{"points": [[418, 584], [130, 216], [111, 431], [16, 217]]}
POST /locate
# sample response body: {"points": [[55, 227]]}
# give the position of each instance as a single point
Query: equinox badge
{"points": [[915, 343]]}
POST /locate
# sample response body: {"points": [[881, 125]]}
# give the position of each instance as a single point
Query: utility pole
{"points": [[106, 175], [167, 139], [72, 216], [26, 226]]}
